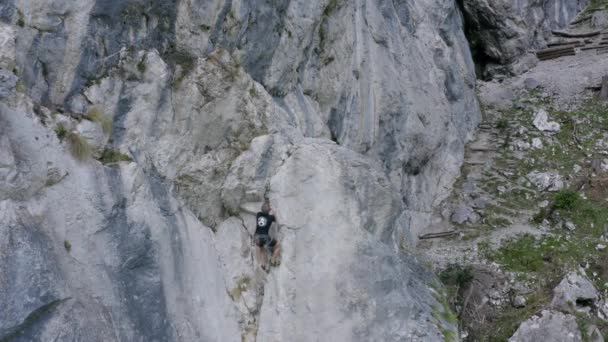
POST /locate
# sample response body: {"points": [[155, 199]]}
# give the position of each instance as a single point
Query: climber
{"points": [[264, 220]]}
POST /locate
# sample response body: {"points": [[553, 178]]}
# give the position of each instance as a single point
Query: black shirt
{"points": [[263, 223]]}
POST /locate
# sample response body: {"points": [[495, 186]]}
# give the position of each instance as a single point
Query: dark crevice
{"points": [[471, 32], [584, 302]]}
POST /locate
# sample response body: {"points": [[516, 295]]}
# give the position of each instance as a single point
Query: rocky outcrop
{"points": [[137, 139], [575, 292], [503, 33], [548, 326]]}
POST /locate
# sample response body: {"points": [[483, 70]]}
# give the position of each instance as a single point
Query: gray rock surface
{"points": [[519, 301], [531, 83], [599, 20], [574, 292], [214, 105], [548, 326], [461, 214], [546, 181], [542, 122], [503, 32]]}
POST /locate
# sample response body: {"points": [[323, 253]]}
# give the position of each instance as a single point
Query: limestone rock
{"points": [[521, 145], [479, 203], [495, 95], [94, 134], [519, 301], [502, 32], [569, 225], [321, 105], [574, 292], [594, 334], [548, 326], [546, 181], [599, 19], [530, 83], [461, 214], [8, 81], [537, 143], [541, 121]]}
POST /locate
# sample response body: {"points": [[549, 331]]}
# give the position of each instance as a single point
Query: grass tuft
{"points": [[79, 146], [241, 286], [109, 156], [61, 131], [95, 114]]}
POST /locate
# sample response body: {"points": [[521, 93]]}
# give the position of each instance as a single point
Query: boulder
{"points": [[480, 203], [546, 181], [521, 145], [569, 226], [461, 214], [541, 121], [549, 325], [519, 301], [531, 83], [575, 292], [537, 143]]}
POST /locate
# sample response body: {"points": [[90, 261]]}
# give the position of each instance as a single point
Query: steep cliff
{"points": [[138, 137], [504, 33]]}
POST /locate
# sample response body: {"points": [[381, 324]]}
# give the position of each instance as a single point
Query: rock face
{"points": [[541, 121], [548, 326], [546, 181], [574, 292], [137, 139], [502, 32]]}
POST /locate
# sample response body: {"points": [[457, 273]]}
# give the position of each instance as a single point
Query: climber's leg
{"points": [[275, 259], [260, 242]]}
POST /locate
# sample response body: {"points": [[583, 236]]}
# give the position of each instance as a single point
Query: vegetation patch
{"points": [[61, 131], [241, 286], [594, 5], [502, 124], [184, 60], [443, 313], [95, 114], [503, 325], [20, 18], [141, 65], [67, 245], [79, 146], [110, 156]]}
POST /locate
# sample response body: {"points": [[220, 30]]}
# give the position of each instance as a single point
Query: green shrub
{"points": [[79, 146], [109, 156], [141, 66], [566, 200], [457, 275], [95, 114], [502, 124], [20, 19], [253, 92], [67, 245], [61, 131]]}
